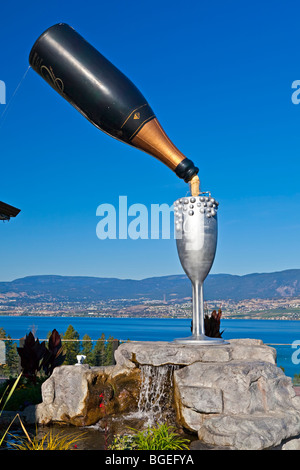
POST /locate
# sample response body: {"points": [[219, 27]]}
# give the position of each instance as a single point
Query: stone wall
{"points": [[231, 395]]}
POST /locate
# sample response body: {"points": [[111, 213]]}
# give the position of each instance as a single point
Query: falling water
{"points": [[156, 397]]}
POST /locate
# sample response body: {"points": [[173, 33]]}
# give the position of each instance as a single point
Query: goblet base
{"points": [[201, 339]]}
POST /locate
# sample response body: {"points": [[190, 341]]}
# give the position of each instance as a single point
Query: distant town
{"points": [[284, 308]]}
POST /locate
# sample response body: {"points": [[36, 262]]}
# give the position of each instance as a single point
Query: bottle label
{"points": [[136, 120]]}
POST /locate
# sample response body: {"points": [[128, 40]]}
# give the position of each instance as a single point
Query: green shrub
{"points": [[50, 441], [123, 442], [296, 379], [25, 393], [162, 437], [4, 399]]}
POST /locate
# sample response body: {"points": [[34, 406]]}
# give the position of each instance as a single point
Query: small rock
{"points": [[293, 444]]}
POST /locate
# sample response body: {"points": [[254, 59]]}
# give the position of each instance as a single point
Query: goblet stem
{"points": [[198, 309]]}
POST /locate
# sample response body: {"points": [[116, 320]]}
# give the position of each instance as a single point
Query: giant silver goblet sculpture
{"points": [[196, 231]]}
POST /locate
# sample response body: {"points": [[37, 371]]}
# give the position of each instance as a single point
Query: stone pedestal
{"points": [[231, 395]]}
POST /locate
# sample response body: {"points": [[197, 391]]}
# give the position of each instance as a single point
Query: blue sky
{"points": [[218, 76]]}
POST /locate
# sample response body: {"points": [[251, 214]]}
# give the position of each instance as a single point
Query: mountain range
{"points": [[177, 287]]}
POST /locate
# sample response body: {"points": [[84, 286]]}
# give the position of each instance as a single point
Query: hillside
{"points": [[217, 287]]}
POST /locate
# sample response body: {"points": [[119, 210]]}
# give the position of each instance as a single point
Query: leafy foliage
{"points": [[35, 356], [109, 352], [296, 379], [87, 348], [99, 353], [71, 347], [7, 393], [50, 441], [26, 393], [102, 354], [31, 353], [12, 358], [162, 437], [212, 324], [54, 356], [4, 399], [123, 442]]}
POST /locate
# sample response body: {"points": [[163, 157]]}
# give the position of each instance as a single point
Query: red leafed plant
{"points": [[31, 353], [36, 356], [212, 324], [54, 356]]}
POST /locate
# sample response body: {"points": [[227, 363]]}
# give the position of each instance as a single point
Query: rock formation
{"points": [[231, 395]]}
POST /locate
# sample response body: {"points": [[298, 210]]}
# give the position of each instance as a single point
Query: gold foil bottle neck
{"points": [[153, 140]]}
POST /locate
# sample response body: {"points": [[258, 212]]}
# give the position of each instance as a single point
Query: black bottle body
{"points": [[90, 82], [99, 90]]}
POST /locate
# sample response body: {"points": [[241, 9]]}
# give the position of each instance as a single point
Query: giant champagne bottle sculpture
{"points": [[108, 99], [105, 96]]}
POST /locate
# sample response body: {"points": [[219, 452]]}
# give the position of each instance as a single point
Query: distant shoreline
{"points": [[246, 318]]}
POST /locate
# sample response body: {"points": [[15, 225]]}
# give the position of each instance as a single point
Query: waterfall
{"points": [[156, 393]]}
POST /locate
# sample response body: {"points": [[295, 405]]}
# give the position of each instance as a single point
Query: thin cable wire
{"points": [[3, 115]]}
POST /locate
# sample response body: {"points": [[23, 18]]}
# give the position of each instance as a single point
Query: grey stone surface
{"points": [[201, 399], [242, 387], [244, 432], [64, 393], [71, 394], [161, 353], [233, 396], [292, 444]]}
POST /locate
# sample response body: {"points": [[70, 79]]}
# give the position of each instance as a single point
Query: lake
{"points": [[279, 334]]}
